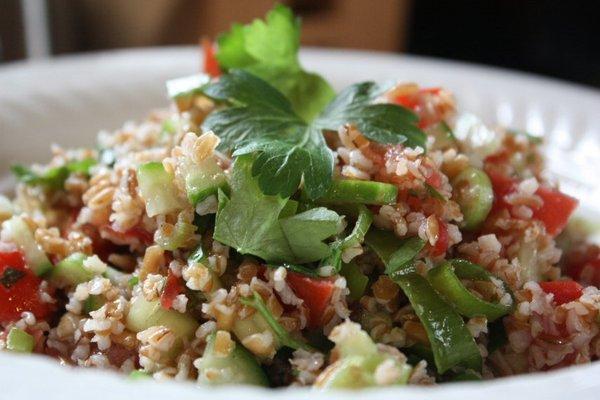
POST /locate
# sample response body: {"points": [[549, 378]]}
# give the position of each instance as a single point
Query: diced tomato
{"points": [[173, 288], [563, 291], [435, 179], [554, 213], [441, 244], [316, 294], [211, 65], [19, 289]]}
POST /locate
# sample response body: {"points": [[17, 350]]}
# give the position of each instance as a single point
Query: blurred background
{"points": [[549, 37]]}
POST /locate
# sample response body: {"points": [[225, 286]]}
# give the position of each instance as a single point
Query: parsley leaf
{"points": [[53, 178], [259, 224], [261, 120], [383, 123], [269, 49]]}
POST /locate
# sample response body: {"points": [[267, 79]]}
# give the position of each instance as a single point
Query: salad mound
{"points": [[266, 230]]}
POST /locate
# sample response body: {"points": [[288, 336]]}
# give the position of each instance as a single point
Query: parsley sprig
{"points": [[261, 120]]}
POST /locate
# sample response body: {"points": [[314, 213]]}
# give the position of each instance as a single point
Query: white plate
{"points": [[66, 101]]}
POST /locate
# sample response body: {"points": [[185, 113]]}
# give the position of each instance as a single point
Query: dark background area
{"points": [[555, 38]]}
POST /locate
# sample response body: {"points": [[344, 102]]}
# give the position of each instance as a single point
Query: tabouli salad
{"points": [[266, 230]]}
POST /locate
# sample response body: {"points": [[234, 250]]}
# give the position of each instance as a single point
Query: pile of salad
{"points": [[266, 230]]}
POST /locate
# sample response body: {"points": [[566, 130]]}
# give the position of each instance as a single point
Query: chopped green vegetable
{"points": [[356, 281], [180, 236], [359, 359], [433, 192], [250, 222], [447, 278], [203, 180], [157, 189], [93, 303], [474, 194], [261, 120], [70, 271], [17, 231], [397, 254], [450, 340], [134, 280], [144, 314], [238, 367], [269, 50], [138, 374], [53, 178], [283, 336], [359, 192], [443, 136], [19, 341]]}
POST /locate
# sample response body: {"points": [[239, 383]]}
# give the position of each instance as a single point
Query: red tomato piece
{"points": [[172, 289], [211, 65], [563, 291], [19, 289], [556, 211], [441, 244], [316, 294], [434, 180]]}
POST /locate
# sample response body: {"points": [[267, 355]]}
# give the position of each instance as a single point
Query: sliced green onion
{"points": [[446, 280], [301, 269], [474, 194]]}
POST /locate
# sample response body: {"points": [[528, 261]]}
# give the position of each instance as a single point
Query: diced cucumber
{"points": [[19, 341], [93, 303], [474, 194], [138, 374], [242, 328], [157, 189], [180, 237], [144, 314], [238, 367], [361, 192], [70, 271], [203, 180], [17, 231], [358, 360], [347, 373]]}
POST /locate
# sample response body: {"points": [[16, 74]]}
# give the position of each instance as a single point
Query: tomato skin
{"points": [[563, 291], [441, 244], [316, 294], [556, 210], [22, 295], [172, 289], [211, 65], [554, 213]]}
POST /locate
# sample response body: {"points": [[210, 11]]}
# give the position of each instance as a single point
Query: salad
{"points": [[266, 230]]}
